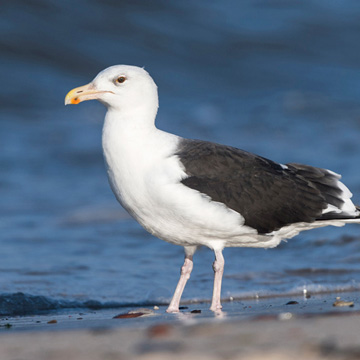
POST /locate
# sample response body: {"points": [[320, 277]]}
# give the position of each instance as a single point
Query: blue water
{"points": [[277, 78]]}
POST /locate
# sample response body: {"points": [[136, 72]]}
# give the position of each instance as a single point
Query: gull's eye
{"points": [[120, 79]]}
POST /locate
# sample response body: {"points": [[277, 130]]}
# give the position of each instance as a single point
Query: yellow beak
{"points": [[82, 93]]}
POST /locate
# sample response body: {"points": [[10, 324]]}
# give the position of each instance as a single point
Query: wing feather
{"points": [[268, 195]]}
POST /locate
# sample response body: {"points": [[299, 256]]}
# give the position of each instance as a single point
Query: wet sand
{"points": [[276, 328]]}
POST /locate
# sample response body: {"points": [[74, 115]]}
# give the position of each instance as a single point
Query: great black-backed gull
{"points": [[193, 192]]}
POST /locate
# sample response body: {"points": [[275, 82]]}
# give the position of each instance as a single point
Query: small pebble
{"points": [[195, 311], [135, 313], [339, 302], [156, 307], [128, 315], [292, 302]]}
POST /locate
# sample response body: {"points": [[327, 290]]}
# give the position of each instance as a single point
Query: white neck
{"points": [[124, 138], [133, 147], [129, 124]]}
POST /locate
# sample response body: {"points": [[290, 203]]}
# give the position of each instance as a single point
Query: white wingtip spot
{"points": [[348, 207], [332, 209]]}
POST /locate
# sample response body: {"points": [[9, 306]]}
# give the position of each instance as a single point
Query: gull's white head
{"points": [[120, 87]]}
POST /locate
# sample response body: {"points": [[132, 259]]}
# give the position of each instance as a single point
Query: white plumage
{"points": [[147, 173]]}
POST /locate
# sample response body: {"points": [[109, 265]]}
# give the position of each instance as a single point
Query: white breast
{"points": [[145, 177]]}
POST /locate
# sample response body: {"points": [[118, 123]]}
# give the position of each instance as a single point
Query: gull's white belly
{"points": [[170, 210], [146, 180]]}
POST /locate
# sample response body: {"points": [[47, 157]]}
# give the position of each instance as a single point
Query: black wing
{"points": [[268, 195]]}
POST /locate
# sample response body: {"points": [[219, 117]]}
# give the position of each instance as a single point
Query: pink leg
{"points": [[184, 277], [218, 267]]}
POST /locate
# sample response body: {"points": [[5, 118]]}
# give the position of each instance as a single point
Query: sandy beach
{"points": [[280, 328]]}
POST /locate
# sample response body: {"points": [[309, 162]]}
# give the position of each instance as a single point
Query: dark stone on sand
{"points": [[292, 302], [128, 315]]}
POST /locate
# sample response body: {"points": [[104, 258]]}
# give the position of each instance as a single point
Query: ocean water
{"points": [[277, 78]]}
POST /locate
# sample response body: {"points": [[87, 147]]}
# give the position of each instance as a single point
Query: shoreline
{"points": [[61, 306], [244, 309], [277, 328]]}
